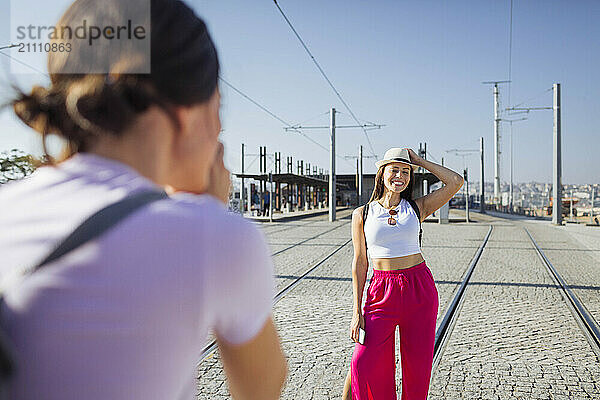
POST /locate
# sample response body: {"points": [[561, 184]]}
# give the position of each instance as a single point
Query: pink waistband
{"points": [[397, 272]]}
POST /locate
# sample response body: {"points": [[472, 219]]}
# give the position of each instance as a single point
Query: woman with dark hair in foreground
{"points": [[126, 315]]}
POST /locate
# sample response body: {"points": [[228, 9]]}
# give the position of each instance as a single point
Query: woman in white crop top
{"points": [[402, 291]]}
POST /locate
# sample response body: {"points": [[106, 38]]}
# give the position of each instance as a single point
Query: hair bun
{"points": [[35, 109]]}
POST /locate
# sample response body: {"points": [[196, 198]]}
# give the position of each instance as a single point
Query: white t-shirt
{"points": [[126, 315]]}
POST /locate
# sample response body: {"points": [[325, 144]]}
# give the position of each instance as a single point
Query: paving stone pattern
{"points": [[313, 319], [572, 261], [515, 337]]}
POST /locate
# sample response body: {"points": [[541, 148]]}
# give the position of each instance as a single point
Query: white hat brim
{"points": [[381, 163]]}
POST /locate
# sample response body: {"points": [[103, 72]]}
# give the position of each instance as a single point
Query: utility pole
{"points": [[356, 181], [510, 194], [465, 153], [557, 170], [332, 128], [496, 145], [271, 197], [482, 184], [359, 171], [592, 209], [557, 163], [510, 197], [466, 176], [571, 206], [360, 174], [278, 188], [332, 203], [242, 187], [496, 139], [263, 170], [444, 209]]}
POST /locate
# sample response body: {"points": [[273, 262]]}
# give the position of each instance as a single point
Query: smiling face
{"points": [[396, 176]]}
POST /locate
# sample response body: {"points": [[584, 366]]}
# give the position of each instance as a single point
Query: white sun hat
{"points": [[396, 154]]}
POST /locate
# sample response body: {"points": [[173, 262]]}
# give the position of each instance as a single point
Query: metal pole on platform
{"points": [[466, 174], [496, 145], [263, 185], [592, 209], [332, 166], [249, 195], [271, 197], [360, 174], [278, 188], [510, 197], [444, 209], [482, 184], [571, 206], [356, 182], [242, 185], [557, 168]]}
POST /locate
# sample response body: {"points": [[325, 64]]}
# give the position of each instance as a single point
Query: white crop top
{"points": [[388, 241]]}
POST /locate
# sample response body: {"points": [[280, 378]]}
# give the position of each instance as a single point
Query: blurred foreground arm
{"points": [[256, 370]]}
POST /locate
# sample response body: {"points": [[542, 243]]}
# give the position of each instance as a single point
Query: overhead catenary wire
{"points": [[288, 125], [222, 80], [325, 75], [25, 64], [254, 102], [432, 157], [312, 118], [252, 162], [533, 98]]}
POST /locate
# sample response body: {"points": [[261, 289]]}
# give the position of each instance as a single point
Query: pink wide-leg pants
{"points": [[406, 298]]}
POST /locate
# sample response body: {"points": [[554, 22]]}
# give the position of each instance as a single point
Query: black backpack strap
{"points": [[91, 228], [413, 204], [102, 221]]}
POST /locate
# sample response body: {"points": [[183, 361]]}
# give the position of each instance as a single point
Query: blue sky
{"points": [[415, 66]]}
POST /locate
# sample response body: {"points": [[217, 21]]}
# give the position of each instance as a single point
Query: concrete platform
{"points": [[514, 338]]}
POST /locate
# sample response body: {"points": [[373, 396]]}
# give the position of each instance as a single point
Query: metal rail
{"points": [[583, 317], [212, 347], [443, 332], [310, 238]]}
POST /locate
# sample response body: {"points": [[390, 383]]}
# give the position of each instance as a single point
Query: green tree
{"points": [[16, 164]]}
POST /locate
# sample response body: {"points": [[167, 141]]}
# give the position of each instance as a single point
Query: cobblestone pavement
{"points": [[572, 260], [313, 319], [589, 236], [297, 245], [515, 336]]}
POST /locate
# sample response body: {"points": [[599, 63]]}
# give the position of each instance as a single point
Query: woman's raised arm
{"points": [[433, 201]]}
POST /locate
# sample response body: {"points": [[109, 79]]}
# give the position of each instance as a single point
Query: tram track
{"points": [[582, 316], [309, 239], [444, 330], [285, 228], [210, 348]]}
